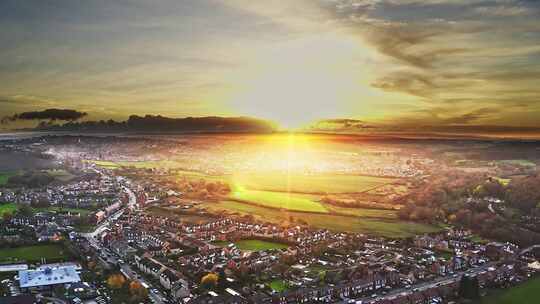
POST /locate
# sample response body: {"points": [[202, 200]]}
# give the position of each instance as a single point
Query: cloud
{"points": [[48, 114], [341, 125], [503, 11], [470, 116], [411, 83]]}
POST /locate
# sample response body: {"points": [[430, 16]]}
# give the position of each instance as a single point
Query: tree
{"points": [[469, 288], [116, 281], [137, 290], [25, 210], [211, 187], [523, 193], [209, 281], [6, 217], [494, 188]]}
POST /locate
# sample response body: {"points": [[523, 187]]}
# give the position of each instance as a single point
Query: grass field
{"points": [[294, 192], [275, 182], [363, 212], [9, 208], [4, 176], [136, 164], [278, 285], [526, 293], [34, 253], [383, 227], [61, 175], [104, 163], [280, 200], [83, 212], [253, 245], [314, 184]]}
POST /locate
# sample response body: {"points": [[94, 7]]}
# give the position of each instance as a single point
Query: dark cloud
{"points": [[401, 43], [471, 116], [48, 114]]}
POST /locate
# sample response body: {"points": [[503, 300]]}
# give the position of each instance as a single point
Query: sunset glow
{"points": [[384, 66]]}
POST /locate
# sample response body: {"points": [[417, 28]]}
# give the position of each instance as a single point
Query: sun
{"points": [[302, 81]]}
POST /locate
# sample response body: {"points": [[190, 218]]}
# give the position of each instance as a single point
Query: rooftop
{"points": [[48, 276]]}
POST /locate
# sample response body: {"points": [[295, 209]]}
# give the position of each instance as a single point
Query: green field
{"points": [[280, 200], [61, 175], [104, 163], [52, 253], [377, 226], [254, 245], [363, 212], [276, 182], [295, 192], [83, 212], [9, 208], [278, 285], [4, 176], [526, 293], [314, 184], [169, 164]]}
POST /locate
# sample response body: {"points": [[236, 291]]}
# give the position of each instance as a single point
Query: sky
{"points": [[406, 64]]}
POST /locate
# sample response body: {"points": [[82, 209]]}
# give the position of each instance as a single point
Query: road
{"points": [[106, 255], [156, 297], [132, 202], [132, 199], [53, 300]]}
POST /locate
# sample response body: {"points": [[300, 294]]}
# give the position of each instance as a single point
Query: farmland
{"points": [[276, 182], [278, 196], [378, 226], [314, 184], [280, 200]]}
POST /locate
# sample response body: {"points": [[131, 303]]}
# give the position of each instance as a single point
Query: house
{"points": [[167, 278], [48, 232], [148, 266], [123, 249], [180, 290]]}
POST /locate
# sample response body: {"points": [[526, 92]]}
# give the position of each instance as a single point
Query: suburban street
{"points": [[422, 286], [109, 257]]}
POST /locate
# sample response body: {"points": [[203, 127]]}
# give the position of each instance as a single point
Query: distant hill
{"points": [[161, 124]]}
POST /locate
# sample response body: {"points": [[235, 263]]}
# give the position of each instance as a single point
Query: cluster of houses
{"points": [[386, 264], [170, 280], [87, 191]]}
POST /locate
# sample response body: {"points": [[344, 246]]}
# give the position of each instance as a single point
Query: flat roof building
{"points": [[47, 276]]}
